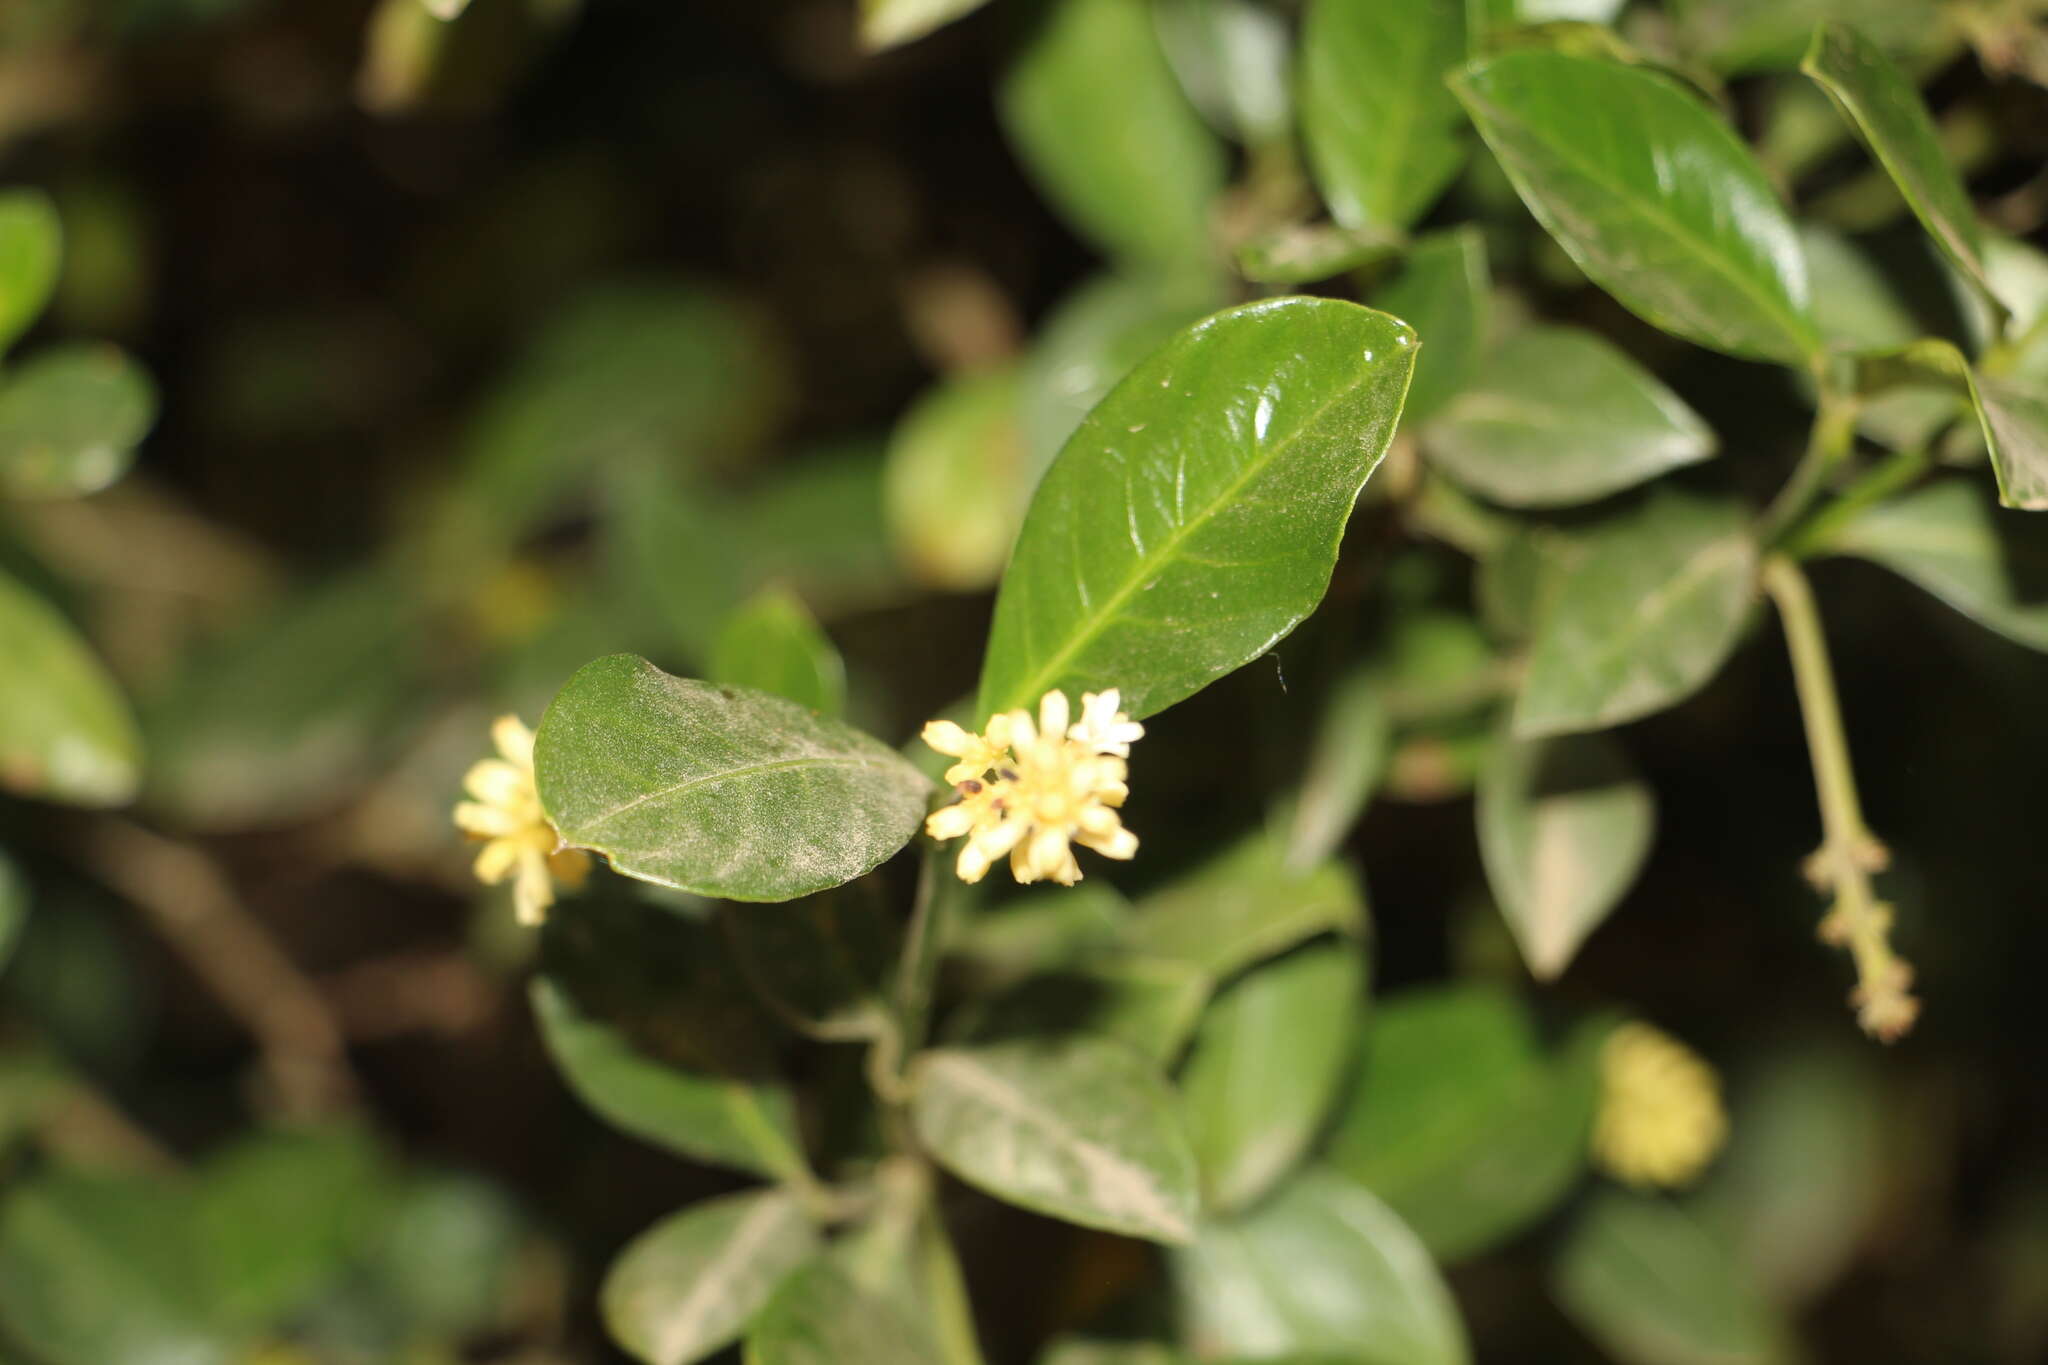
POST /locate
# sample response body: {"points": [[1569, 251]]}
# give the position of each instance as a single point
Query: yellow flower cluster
{"points": [[1660, 1119], [518, 840], [1032, 790]]}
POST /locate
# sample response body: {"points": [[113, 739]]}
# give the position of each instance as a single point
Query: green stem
{"points": [[1827, 445], [1816, 533], [1849, 853]]}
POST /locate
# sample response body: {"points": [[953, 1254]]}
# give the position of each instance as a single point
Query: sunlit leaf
{"points": [[691, 1283], [723, 791], [1192, 521], [1084, 1130], [70, 419], [1707, 254], [772, 644], [65, 731]]}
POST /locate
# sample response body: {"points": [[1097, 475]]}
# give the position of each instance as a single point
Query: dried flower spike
{"points": [[1033, 789]]}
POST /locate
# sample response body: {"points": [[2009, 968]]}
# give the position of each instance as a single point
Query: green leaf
{"points": [[1707, 254], [13, 909], [31, 250], [102, 1270], [772, 644], [958, 479], [70, 420], [1887, 113], [1149, 1004], [1737, 36], [1460, 1123], [1044, 927], [1301, 253], [1556, 417], [1951, 540], [1655, 1287], [449, 1256], [821, 962], [1082, 1351], [2013, 415], [1384, 137], [1093, 338], [1192, 521], [280, 1217], [1083, 1130], [1643, 618], [820, 1317], [1445, 293], [1099, 121], [1564, 827], [1322, 1267], [277, 719], [1265, 1067], [65, 731], [1346, 761], [1233, 57], [722, 791], [1246, 905], [644, 1016], [890, 23], [689, 1285]]}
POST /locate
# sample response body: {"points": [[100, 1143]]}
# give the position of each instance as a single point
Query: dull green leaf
{"points": [[1642, 618], [1951, 540], [1084, 1130], [1322, 1267], [70, 420], [1193, 519], [821, 1317], [2013, 414], [1301, 253], [719, 790], [31, 251], [1564, 827], [1706, 253], [1149, 1004], [1346, 761], [690, 1284], [1233, 58], [958, 480], [1245, 905], [771, 643], [891, 23], [820, 962], [65, 732], [1739, 36], [1445, 293], [1383, 133], [1556, 417], [1265, 1067], [1098, 119], [1887, 113], [1653, 1286]]}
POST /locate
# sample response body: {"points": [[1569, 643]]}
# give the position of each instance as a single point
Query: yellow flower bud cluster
{"points": [[1660, 1120]]}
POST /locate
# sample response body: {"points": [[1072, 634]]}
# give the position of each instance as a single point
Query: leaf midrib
{"points": [[590, 824]]}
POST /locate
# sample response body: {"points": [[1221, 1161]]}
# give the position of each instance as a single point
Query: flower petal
{"points": [[514, 740]]}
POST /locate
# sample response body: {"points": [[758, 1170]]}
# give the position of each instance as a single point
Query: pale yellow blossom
{"points": [[1033, 788], [518, 840], [1660, 1120]]}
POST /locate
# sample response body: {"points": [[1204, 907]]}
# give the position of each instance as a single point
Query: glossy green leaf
{"points": [[1264, 1069], [646, 1018], [958, 480], [890, 23], [1084, 1130], [1594, 148], [1643, 618], [722, 791], [1887, 113], [1092, 339], [1556, 416], [1737, 36], [1460, 1123], [2012, 414], [102, 1270], [70, 419], [1951, 540], [1149, 1004], [820, 962], [771, 643], [1564, 827], [1654, 1287], [821, 1317], [1233, 57], [1322, 1267], [690, 1284], [1445, 293], [1097, 118], [1245, 905], [1384, 137], [1301, 253], [274, 721], [1192, 521], [31, 250], [65, 731], [1346, 760]]}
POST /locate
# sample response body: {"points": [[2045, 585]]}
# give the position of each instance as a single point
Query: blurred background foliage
{"points": [[468, 351]]}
